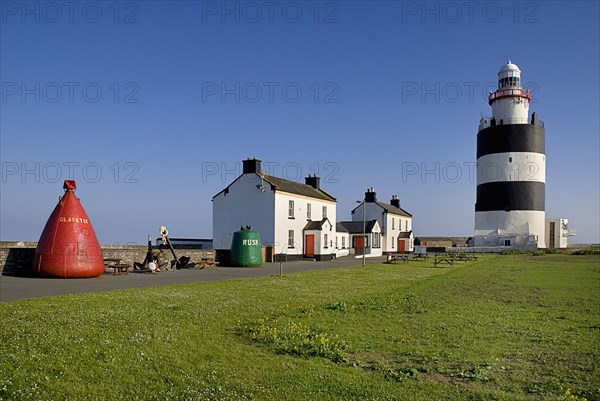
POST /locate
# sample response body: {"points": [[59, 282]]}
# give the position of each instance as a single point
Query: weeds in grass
{"points": [[295, 338], [569, 396]]}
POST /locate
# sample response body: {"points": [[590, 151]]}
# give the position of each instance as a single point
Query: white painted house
{"points": [[370, 231], [395, 222], [298, 220]]}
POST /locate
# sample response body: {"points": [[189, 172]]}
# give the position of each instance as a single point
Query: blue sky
{"points": [[151, 105]]}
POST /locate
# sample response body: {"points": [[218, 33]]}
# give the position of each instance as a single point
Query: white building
{"points": [[558, 233], [370, 231], [395, 222], [511, 169], [343, 244], [298, 220]]}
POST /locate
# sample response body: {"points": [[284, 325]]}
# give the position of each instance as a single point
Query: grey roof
{"points": [[393, 209], [316, 225], [388, 208], [293, 187], [297, 188], [339, 227], [356, 227]]}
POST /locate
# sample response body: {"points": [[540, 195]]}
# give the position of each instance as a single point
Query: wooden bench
{"points": [[208, 262], [117, 265], [120, 268], [443, 258], [403, 258]]}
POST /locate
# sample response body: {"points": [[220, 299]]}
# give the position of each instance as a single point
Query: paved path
{"points": [[16, 288]]}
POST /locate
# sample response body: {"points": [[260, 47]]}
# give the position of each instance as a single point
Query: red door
{"points": [[310, 245], [359, 245], [401, 246]]}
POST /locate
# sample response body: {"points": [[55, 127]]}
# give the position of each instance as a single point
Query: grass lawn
{"points": [[511, 327]]}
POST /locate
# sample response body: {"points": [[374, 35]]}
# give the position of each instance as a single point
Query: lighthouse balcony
{"points": [[514, 92]]}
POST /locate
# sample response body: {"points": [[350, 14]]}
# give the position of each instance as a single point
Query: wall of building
{"points": [[491, 225], [244, 204], [16, 258], [400, 224], [283, 223]]}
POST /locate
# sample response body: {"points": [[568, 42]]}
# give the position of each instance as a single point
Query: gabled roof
{"points": [[339, 227], [393, 209], [316, 225], [388, 208], [283, 185], [356, 227], [294, 187]]}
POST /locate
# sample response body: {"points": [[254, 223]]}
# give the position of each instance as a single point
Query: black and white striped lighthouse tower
{"points": [[511, 169]]}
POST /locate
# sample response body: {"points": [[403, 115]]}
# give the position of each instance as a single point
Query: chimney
{"points": [[313, 181], [370, 195], [395, 201], [251, 166]]}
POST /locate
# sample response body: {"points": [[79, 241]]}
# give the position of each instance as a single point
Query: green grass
{"points": [[513, 327]]}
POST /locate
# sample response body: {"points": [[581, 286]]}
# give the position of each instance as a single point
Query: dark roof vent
{"points": [[251, 166], [370, 195], [313, 181]]}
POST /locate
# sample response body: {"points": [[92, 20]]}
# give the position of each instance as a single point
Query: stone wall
{"points": [[16, 258]]}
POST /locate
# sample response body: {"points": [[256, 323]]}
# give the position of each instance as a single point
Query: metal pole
{"points": [[364, 263]]}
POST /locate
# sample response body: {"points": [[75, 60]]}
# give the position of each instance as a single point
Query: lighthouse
{"points": [[511, 169]]}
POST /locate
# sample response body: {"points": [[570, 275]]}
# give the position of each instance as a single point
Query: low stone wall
{"points": [[16, 258]]}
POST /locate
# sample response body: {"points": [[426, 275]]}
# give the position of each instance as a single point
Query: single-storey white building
{"points": [[395, 222], [371, 244], [297, 220], [558, 233]]}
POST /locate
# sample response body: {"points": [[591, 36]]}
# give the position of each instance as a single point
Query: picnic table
{"points": [[443, 258], [208, 262], [394, 258], [117, 265]]}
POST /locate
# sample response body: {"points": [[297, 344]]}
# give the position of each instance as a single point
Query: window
{"points": [[393, 220], [324, 212], [325, 238], [405, 225], [291, 209], [290, 238], [376, 240], [506, 242], [343, 242], [510, 159], [336, 242], [393, 244], [308, 211]]}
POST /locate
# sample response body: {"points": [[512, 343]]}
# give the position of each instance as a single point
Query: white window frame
{"points": [[308, 211], [290, 239], [325, 239], [290, 209]]}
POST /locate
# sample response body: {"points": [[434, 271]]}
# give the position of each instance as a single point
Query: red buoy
{"points": [[68, 247]]}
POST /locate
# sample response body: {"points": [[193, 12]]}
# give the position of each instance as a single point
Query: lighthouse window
{"points": [[510, 159]]}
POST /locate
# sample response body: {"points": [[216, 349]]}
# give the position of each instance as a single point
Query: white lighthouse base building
{"points": [[509, 229]]}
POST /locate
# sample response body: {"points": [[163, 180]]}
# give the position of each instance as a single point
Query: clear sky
{"points": [[151, 105]]}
